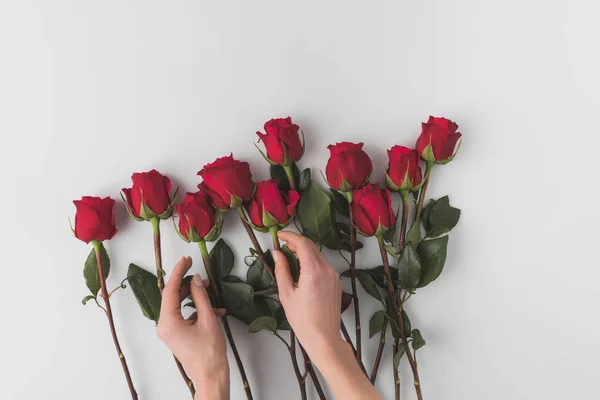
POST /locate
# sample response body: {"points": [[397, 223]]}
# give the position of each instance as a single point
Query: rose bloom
{"points": [[94, 219], [151, 188], [282, 141], [227, 181], [197, 216], [403, 170], [372, 210], [349, 167], [270, 206], [438, 140]]}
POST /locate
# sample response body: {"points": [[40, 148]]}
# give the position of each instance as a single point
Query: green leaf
{"points": [[90, 269], [413, 236], [341, 203], [369, 285], [425, 214], [442, 217], [418, 340], [87, 298], [258, 276], [346, 301], [222, 259], [304, 181], [376, 322], [293, 262], [314, 212], [144, 287], [391, 316], [278, 173], [398, 355], [433, 256], [406, 323], [263, 324], [409, 268], [378, 275], [392, 250], [238, 298], [282, 322]]}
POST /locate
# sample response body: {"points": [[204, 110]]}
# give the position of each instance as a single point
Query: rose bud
{"points": [[271, 207], [438, 140], [403, 171], [198, 218], [349, 167], [227, 181], [94, 219], [282, 142], [372, 210], [149, 197]]}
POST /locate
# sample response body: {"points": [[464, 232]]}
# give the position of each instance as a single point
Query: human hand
{"points": [[313, 306], [198, 341]]}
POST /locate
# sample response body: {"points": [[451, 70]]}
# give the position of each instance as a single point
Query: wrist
{"points": [[329, 351], [213, 385]]}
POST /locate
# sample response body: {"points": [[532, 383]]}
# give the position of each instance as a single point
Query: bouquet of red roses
{"points": [[413, 251]]}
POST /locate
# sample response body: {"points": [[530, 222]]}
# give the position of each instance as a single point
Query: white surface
{"points": [[93, 91]]}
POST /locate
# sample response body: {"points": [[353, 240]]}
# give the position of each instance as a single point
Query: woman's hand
{"points": [[313, 309], [198, 341]]}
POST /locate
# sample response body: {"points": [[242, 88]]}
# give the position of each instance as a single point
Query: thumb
{"points": [[282, 272]]}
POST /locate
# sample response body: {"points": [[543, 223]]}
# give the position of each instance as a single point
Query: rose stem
{"points": [[398, 316], [349, 341], [97, 248], [395, 371], [353, 278], [379, 351], [428, 169], [404, 220], [307, 363], [160, 273], [215, 289], [290, 175], [256, 245]]}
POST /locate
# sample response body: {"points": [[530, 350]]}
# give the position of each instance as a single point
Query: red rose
{"points": [[282, 141], [372, 210], [94, 219], [149, 197], [438, 140], [198, 218], [403, 171], [227, 181], [270, 206], [349, 167]]}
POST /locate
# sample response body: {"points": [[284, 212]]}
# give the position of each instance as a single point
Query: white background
{"points": [[91, 91]]}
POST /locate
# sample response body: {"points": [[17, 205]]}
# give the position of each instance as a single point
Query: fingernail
{"points": [[275, 255], [197, 280]]}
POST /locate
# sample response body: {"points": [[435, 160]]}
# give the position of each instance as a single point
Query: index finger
{"points": [[303, 247], [170, 296]]}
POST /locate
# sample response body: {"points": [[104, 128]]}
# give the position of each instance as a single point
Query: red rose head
{"points": [[270, 206], [372, 210], [227, 181], [94, 219], [403, 171], [438, 140], [349, 167], [282, 141], [149, 197], [198, 218]]}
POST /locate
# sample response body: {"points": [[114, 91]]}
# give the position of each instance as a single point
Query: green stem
{"points": [[289, 172], [215, 289], [404, 220], [273, 231], [160, 281], [160, 272], [398, 315], [352, 228], [423, 191], [97, 249], [261, 254]]}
